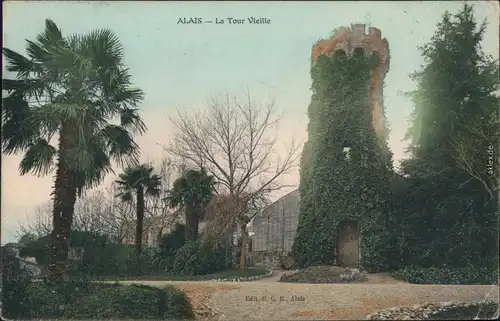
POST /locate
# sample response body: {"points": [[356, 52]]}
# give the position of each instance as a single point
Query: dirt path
{"points": [[267, 299]]}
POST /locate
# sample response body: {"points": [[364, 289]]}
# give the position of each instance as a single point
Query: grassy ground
{"points": [[317, 274], [227, 274]]}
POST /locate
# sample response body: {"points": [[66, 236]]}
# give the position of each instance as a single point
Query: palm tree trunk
{"points": [[140, 220], [191, 227], [196, 221], [62, 216]]}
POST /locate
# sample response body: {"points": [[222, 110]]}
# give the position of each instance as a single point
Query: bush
{"points": [[82, 300], [447, 275], [39, 249], [169, 244], [193, 259], [15, 282], [324, 274], [186, 259], [286, 262], [117, 260], [109, 260]]}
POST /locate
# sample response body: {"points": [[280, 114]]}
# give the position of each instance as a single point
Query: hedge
{"points": [[79, 300], [332, 187], [447, 275], [194, 259]]}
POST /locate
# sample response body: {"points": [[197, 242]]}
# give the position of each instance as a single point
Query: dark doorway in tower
{"points": [[348, 244]]}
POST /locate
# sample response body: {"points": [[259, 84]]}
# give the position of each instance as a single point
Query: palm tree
{"points": [[192, 192], [141, 181], [69, 89]]}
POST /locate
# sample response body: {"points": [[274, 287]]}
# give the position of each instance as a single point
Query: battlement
{"points": [[354, 41], [350, 39]]}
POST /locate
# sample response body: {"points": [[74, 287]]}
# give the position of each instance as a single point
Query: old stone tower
{"points": [[348, 40], [345, 163]]}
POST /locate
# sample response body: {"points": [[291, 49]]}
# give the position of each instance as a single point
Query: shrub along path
{"points": [[267, 299]]}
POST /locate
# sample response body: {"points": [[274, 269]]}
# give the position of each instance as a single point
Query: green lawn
{"points": [[227, 274]]}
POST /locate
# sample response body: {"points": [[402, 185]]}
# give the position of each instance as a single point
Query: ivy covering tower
{"points": [[346, 165]]}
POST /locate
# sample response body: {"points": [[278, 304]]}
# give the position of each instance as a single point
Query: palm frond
{"points": [[38, 159], [16, 134], [122, 148], [79, 159], [140, 176], [174, 199], [19, 86], [153, 184], [126, 197], [101, 166], [130, 120], [104, 48], [193, 187], [51, 116], [16, 62], [37, 54], [80, 79], [52, 33]]}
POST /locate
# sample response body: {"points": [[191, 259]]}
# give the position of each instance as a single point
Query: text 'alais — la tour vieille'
{"points": [[221, 21]]}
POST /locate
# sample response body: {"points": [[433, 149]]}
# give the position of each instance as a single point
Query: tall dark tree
{"points": [[141, 181], [192, 191], [450, 209], [69, 88]]}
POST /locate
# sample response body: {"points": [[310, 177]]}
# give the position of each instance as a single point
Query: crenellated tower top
{"points": [[350, 40]]}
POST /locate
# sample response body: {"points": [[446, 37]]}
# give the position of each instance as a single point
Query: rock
{"points": [[417, 311]]}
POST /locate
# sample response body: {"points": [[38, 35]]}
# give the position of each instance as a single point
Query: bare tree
{"points": [[41, 224], [96, 212], [89, 212], [484, 167], [119, 217], [236, 142], [159, 215]]}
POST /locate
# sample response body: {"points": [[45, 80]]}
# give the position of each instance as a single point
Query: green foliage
{"points": [[107, 260], [192, 192], [27, 238], [144, 263], [84, 300], [141, 181], [194, 259], [40, 248], [84, 86], [286, 262], [15, 282], [448, 214], [187, 259], [100, 257], [447, 275], [117, 260], [136, 177], [333, 187], [93, 63], [324, 274], [170, 243]]}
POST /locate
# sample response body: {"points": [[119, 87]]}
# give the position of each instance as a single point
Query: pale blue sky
{"points": [[179, 66]]}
